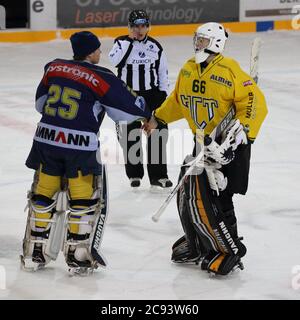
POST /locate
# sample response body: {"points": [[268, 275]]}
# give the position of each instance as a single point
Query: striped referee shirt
{"points": [[141, 64]]}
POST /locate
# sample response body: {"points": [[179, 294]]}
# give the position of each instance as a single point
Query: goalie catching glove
{"points": [[224, 153]]}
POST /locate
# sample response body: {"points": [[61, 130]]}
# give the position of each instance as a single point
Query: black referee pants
{"points": [[130, 139]]}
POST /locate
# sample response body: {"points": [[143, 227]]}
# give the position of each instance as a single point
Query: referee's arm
{"points": [[163, 78], [120, 52]]}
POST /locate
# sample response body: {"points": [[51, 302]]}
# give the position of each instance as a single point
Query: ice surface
{"points": [[138, 250]]}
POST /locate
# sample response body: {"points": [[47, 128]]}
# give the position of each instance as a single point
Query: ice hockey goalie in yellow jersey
{"points": [[206, 88]]}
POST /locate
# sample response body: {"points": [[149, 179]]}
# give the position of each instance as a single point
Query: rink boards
{"points": [[24, 35]]}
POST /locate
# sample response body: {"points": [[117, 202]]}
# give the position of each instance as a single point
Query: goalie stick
{"points": [[254, 59]]}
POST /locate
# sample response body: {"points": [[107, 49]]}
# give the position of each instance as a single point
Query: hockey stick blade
{"points": [[254, 58]]}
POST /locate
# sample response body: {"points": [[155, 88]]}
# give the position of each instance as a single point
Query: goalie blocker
{"points": [[73, 226]]}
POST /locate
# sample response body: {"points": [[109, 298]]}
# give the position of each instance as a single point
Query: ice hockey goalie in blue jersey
{"points": [[67, 202]]}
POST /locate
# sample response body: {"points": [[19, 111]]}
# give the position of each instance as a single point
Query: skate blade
{"points": [[195, 261], [189, 262], [80, 271], [136, 189], [239, 266]]}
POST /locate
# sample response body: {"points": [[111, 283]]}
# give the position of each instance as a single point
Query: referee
{"points": [[142, 65]]}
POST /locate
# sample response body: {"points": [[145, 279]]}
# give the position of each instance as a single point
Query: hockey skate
{"points": [[188, 259], [181, 253], [135, 182], [79, 267], [37, 262], [163, 185]]}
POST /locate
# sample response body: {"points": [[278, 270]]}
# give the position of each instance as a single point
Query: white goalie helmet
{"points": [[209, 38]]}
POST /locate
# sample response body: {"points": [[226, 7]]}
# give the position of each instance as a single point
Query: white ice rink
{"points": [[138, 250]]}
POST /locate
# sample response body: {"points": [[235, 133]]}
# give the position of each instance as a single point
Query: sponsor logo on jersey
{"points": [[193, 103], [152, 49], [140, 103], [250, 109], [79, 74], [221, 80], [185, 73], [141, 61], [247, 83], [142, 54], [66, 138]]}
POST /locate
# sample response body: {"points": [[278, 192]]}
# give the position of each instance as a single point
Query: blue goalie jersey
{"points": [[73, 98]]}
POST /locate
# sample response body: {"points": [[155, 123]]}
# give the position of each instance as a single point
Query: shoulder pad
{"points": [[101, 69], [155, 41], [230, 63], [120, 38]]}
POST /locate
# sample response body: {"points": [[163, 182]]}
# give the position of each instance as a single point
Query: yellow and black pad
{"points": [[189, 247], [222, 247]]}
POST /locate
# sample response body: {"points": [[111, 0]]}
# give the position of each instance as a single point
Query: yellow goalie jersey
{"points": [[204, 98]]}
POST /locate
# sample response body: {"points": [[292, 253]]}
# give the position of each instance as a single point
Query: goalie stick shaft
{"points": [[254, 58]]}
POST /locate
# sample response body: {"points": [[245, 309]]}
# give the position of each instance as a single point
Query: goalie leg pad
{"points": [[44, 222], [189, 248], [80, 221], [232, 222], [85, 224], [98, 230], [220, 263], [217, 229]]}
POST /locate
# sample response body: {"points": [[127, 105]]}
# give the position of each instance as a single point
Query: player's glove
{"points": [[224, 153]]}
